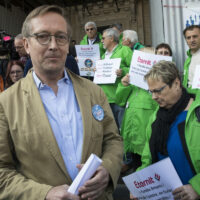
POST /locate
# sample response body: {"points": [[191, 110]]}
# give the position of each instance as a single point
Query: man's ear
{"points": [[177, 82], [26, 45]]}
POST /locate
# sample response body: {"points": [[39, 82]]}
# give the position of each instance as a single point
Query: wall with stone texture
{"points": [[132, 14]]}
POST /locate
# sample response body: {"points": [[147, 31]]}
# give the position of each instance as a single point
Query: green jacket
{"points": [[186, 73], [192, 136], [84, 41], [138, 103], [137, 46], [120, 38], [125, 53]]}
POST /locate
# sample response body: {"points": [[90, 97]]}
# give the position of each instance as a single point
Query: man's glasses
{"points": [[89, 29], [45, 38], [157, 91], [17, 72]]}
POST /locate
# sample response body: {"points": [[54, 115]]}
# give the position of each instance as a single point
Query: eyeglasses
{"points": [[19, 47], [45, 38], [17, 72], [89, 29], [157, 91]]}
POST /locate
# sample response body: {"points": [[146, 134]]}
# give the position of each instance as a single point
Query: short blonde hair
{"points": [[39, 11], [165, 71]]}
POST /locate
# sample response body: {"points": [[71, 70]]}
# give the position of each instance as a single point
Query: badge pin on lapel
{"points": [[98, 112]]}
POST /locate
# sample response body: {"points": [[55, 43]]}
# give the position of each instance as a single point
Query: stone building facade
{"points": [[132, 14]]}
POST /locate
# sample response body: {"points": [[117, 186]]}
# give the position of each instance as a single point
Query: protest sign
{"points": [[141, 63], [155, 182], [106, 71], [87, 56]]}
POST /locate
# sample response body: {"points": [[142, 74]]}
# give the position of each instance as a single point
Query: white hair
{"points": [[90, 24], [131, 35]]}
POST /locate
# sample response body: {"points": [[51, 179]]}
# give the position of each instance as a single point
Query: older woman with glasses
{"points": [[15, 71], [173, 130]]}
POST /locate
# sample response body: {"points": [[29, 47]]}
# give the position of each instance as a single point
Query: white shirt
{"points": [[109, 54], [195, 60]]}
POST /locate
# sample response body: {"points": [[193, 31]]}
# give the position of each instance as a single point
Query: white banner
{"points": [[141, 63], [87, 56], [155, 182], [106, 71], [191, 14]]}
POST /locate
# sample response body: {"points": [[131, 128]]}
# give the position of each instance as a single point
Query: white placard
{"points": [[191, 14], [106, 71], [87, 56], [154, 182], [141, 63], [87, 171], [196, 79]]}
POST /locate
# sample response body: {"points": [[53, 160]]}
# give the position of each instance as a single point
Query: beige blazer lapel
{"points": [[39, 118], [84, 101]]}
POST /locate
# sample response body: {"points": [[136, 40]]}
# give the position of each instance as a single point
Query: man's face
{"points": [[91, 32], [47, 58], [19, 46], [164, 95], [107, 41], [192, 38]]}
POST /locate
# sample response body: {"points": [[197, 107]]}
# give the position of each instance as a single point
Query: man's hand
{"points": [[119, 72], [60, 193], [186, 192], [125, 80], [94, 187]]}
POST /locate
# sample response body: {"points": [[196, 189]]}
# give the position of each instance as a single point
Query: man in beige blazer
{"points": [[31, 162]]}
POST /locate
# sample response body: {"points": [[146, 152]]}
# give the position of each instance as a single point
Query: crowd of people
{"points": [[53, 119]]}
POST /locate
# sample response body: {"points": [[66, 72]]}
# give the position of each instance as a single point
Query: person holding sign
{"points": [[173, 130], [92, 36], [138, 104], [192, 37], [110, 42]]}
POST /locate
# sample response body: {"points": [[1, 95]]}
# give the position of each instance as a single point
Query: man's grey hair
{"points": [[19, 36], [90, 24], [110, 32], [131, 35]]}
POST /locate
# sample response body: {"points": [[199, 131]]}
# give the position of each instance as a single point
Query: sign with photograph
{"points": [[87, 56]]}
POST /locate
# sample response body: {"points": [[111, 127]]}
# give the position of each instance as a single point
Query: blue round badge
{"points": [[88, 63], [98, 112]]}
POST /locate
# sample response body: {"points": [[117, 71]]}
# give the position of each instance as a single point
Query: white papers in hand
{"points": [[87, 171]]}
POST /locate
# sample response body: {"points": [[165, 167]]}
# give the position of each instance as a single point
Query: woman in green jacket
{"points": [[174, 129], [138, 104]]}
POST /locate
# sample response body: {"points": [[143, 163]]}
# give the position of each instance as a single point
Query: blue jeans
{"points": [[118, 113]]}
